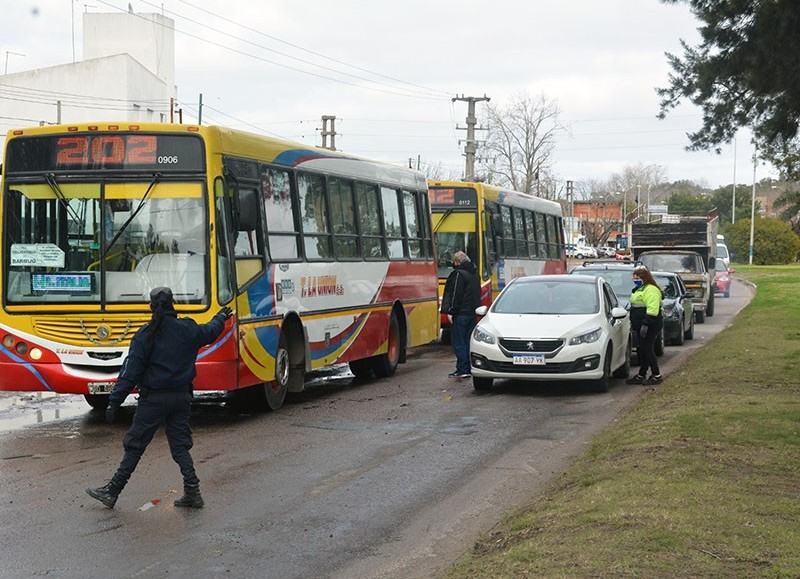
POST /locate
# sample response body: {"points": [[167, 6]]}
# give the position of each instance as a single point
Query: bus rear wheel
{"points": [[385, 365]]}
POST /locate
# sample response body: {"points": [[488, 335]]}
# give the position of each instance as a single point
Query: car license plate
{"points": [[100, 387], [529, 359]]}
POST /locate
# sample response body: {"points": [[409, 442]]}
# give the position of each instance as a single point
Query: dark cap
{"points": [[161, 294]]}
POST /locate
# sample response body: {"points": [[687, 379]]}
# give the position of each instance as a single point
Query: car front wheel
{"points": [[482, 383]]}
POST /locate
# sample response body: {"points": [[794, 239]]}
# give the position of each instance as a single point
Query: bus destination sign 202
{"points": [[105, 152], [453, 197]]}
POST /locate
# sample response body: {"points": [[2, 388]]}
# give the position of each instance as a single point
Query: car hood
{"points": [[540, 325]]}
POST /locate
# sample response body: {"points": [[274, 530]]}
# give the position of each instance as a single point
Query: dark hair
{"points": [[161, 302], [646, 277]]}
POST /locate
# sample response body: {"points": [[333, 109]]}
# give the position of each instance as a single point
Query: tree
{"points": [[520, 142], [688, 204], [440, 172], [744, 73], [631, 186], [722, 199], [788, 203], [773, 241]]}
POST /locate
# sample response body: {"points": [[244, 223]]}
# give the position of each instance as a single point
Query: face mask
{"points": [[638, 283]]}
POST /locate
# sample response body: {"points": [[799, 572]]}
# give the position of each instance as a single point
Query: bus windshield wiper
{"points": [[443, 219], [50, 178], [142, 201]]}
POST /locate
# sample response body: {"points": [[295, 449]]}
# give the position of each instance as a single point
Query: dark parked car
{"points": [[676, 306], [620, 276]]}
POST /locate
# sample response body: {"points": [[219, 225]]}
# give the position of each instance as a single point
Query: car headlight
{"points": [[482, 335], [586, 338], [669, 311]]}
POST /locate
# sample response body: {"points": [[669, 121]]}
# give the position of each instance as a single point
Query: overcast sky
{"points": [[388, 71]]}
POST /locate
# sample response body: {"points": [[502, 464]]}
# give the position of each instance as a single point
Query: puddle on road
{"points": [[18, 410], [21, 409]]}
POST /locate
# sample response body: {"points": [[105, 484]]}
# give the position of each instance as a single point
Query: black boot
{"points": [[107, 494], [191, 497]]}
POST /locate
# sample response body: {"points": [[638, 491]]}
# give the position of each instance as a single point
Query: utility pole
{"points": [[325, 132], [571, 204], [471, 145]]}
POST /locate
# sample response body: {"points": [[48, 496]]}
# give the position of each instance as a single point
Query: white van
{"points": [[723, 254]]}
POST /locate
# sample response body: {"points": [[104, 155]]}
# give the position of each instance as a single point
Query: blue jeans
{"points": [[460, 333]]}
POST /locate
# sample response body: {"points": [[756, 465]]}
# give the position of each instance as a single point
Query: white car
{"points": [[585, 251], [552, 327]]}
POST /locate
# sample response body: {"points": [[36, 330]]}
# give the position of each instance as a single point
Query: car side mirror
{"points": [[481, 310], [618, 313], [731, 270]]}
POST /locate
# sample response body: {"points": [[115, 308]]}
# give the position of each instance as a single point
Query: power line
{"points": [[256, 57], [298, 47]]}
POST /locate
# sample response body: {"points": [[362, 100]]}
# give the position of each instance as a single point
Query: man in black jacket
{"points": [[161, 362], [462, 294]]}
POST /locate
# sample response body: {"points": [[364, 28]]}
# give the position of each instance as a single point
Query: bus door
{"points": [[454, 231]]}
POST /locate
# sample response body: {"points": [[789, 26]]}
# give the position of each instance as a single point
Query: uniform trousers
{"points": [[173, 410]]}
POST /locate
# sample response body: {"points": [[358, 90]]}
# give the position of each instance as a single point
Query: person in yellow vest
{"points": [[646, 320]]}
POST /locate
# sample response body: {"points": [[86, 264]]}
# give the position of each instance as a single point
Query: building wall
{"points": [[148, 38], [116, 88], [127, 74]]}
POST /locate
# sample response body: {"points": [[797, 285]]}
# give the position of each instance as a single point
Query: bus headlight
{"points": [[8, 341], [36, 354]]}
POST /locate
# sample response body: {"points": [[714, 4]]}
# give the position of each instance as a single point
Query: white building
{"points": [[128, 74]]}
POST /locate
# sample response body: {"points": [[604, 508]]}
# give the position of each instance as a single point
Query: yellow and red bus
{"points": [[326, 258], [505, 233]]}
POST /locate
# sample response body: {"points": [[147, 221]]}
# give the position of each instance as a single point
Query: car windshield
{"points": [[722, 251], [668, 285], [672, 262], [620, 279], [546, 297], [719, 265]]}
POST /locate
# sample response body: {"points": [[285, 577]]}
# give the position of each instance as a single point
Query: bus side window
{"points": [[541, 235], [508, 248], [412, 221], [519, 233], [369, 219], [314, 216], [530, 234], [391, 223], [279, 207], [345, 237], [552, 237]]}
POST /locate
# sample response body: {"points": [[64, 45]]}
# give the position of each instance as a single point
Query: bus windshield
{"points": [[448, 243], [105, 242]]}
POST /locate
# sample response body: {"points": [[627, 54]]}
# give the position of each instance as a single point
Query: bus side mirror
{"points": [[247, 218]]}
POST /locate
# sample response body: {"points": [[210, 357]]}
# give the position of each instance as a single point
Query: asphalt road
{"points": [[390, 478]]}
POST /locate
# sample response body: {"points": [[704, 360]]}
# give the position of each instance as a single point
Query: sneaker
{"points": [[463, 375], [637, 379], [653, 380], [453, 374]]}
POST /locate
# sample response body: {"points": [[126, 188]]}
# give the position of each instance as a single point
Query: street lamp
{"points": [[15, 54], [753, 205]]}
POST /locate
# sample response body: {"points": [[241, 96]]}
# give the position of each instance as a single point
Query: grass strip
{"points": [[700, 478]]}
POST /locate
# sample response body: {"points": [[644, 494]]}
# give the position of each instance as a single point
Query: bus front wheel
{"points": [[97, 401], [275, 391]]}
